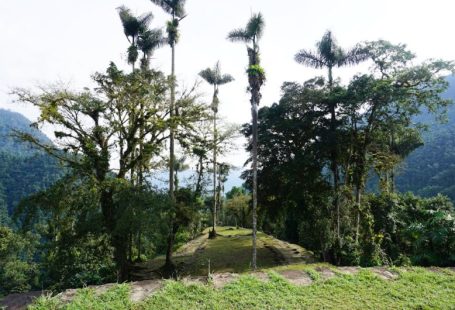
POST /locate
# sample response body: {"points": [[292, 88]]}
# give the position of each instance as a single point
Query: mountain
{"points": [[10, 121], [24, 170], [430, 169]]}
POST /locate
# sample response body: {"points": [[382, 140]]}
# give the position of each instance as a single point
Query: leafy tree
{"points": [[216, 79], [237, 207], [251, 35], [18, 272], [293, 192], [4, 216], [329, 55], [388, 98], [91, 129]]}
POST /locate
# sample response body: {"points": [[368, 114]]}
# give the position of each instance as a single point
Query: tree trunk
{"points": [[169, 267], [139, 244], [357, 203], [171, 135], [130, 247], [200, 171], [334, 159], [118, 242], [254, 112], [214, 215], [171, 161]]}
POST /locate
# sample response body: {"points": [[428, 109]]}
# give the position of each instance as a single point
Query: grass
{"points": [[416, 288], [230, 251]]}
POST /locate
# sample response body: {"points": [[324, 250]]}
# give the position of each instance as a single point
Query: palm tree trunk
{"points": [[254, 112], [171, 159], [334, 159], [213, 233]]}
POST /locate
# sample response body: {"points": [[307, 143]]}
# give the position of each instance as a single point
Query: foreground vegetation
{"points": [[415, 288]]}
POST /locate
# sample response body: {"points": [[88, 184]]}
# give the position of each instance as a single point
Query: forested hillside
{"points": [[23, 169], [430, 169]]}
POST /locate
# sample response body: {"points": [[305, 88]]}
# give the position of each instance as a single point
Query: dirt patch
{"points": [[384, 273], [20, 301], [219, 280], [296, 277]]}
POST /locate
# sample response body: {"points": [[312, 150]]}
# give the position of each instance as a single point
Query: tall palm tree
{"points": [[328, 55], [250, 35], [133, 27], [176, 8], [214, 77]]}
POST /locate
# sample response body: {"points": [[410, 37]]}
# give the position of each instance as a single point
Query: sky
{"points": [[66, 41]]}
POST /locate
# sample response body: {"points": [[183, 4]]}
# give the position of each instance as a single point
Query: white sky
{"points": [[47, 41]]}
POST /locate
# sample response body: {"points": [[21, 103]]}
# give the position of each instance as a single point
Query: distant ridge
{"points": [[24, 170]]}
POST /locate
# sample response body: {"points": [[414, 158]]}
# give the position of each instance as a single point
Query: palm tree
{"points": [[329, 55], [176, 8], [140, 37], [133, 27], [251, 35], [215, 78], [149, 41]]}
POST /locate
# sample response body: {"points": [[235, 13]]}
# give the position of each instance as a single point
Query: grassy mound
{"points": [[230, 251]]}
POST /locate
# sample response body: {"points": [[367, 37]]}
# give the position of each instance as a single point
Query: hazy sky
{"points": [[48, 41]]}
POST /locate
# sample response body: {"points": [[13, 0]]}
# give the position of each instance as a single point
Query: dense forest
{"points": [[430, 169], [306, 179], [24, 169]]}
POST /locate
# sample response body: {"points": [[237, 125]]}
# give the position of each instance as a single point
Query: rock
{"points": [[296, 277], [19, 301], [142, 289], [219, 280], [384, 274]]}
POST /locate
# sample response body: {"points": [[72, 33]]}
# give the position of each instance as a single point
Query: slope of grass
{"points": [[414, 289], [230, 251]]}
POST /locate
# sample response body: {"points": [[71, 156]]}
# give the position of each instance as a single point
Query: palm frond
{"points": [[176, 7], [328, 49], [255, 26], [130, 23], [209, 76], [238, 35], [225, 78], [213, 75], [166, 5], [145, 19], [179, 8], [150, 40], [310, 59], [354, 56]]}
